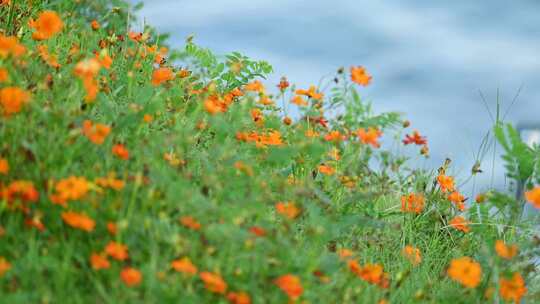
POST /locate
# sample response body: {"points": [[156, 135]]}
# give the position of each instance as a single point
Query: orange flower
{"points": [[311, 92], [110, 182], [505, 251], [136, 37], [299, 101], [92, 88], [213, 282], [370, 136], [236, 92], [95, 25], [533, 197], [257, 115], [480, 198], [117, 251], [255, 86], [149, 49], [460, 223], [9, 45], [360, 76], [162, 75], [120, 151], [415, 138], [4, 76], [20, 190], [4, 166], [466, 271], [131, 276], [49, 59], [96, 133], [287, 209], [184, 265], [344, 253], [228, 98], [412, 254], [271, 139], [197, 91], [47, 25], [5, 266], [104, 59], [247, 137], [98, 261], [354, 267], [112, 228], [265, 100], [412, 203], [321, 121], [326, 170], [371, 273], [190, 222], [458, 199], [334, 136], [290, 285], [70, 189], [258, 231], [87, 68], [446, 182], [213, 105], [287, 120], [147, 118], [283, 84], [160, 56], [238, 298], [512, 289], [12, 99], [78, 221]]}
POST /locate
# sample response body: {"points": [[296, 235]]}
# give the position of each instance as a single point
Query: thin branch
{"points": [[486, 105], [513, 101]]}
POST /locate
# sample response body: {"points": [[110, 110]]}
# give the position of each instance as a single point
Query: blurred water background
{"points": [[431, 60]]}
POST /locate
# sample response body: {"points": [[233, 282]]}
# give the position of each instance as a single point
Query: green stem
{"points": [[10, 18]]}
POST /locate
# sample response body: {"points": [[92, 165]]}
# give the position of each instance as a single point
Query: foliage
{"points": [[131, 173]]}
